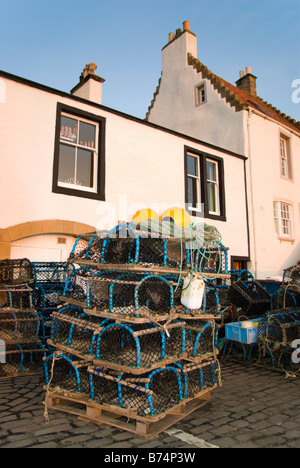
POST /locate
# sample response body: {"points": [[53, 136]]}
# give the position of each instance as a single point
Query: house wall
{"points": [[144, 168], [271, 254], [214, 121]]}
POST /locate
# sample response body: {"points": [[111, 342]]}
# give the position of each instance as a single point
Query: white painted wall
{"points": [[271, 254], [215, 121], [44, 248], [144, 167]]}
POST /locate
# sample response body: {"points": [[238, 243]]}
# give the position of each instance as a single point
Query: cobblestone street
{"points": [[254, 408]]}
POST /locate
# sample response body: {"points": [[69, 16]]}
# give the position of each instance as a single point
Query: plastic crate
{"points": [[235, 332]]}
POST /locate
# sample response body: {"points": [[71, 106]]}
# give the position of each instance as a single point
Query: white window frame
{"points": [[285, 157], [68, 142], [198, 183], [283, 219], [216, 185], [200, 94]]}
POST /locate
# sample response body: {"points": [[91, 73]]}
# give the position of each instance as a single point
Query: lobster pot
{"points": [[22, 359], [170, 252], [73, 328], [150, 394], [137, 347], [131, 295], [45, 297], [50, 273], [77, 283], [279, 329], [197, 377], [81, 247], [13, 272], [61, 370], [16, 297], [19, 327], [250, 297], [201, 338], [291, 278], [211, 303], [283, 298], [211, 260]]}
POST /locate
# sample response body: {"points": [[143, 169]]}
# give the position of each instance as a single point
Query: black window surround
{"points": [[203, 157], [100, 185]]}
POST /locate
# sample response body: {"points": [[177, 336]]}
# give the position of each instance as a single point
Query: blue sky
{"points": [[50, 41]]}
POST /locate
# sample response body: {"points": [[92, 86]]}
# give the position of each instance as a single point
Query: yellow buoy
{"points": [[143, 215], [178, 215]]}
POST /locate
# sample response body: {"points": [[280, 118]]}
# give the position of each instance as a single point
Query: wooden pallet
{"points": [[147, 427]]}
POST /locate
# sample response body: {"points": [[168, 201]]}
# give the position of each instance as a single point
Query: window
{"points": [[193, 180], [200, 94], [285, 157], [205, 195], [212, 187], [282, 213], [79, 154]]}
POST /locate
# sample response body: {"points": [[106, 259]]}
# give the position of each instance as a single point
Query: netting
{"points": [[22, 359], [73, 328], [50, 273], [198, 377], [137, 347], [13, 272], [19, 327], [61, 370], [277, 334], [250, 297], [291, 278], [200, 338], [283, 298], [15, 297]]}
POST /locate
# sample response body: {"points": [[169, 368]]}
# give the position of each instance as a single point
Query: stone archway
{"points": [[34, 228]]}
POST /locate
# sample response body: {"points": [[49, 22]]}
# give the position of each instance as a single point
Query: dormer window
{"points": [[200, 94]]}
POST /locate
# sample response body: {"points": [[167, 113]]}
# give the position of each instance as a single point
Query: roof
{"points": [[236, 97]]}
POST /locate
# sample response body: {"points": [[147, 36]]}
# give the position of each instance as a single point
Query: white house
{"points": [[69, 165], [193, 100]]}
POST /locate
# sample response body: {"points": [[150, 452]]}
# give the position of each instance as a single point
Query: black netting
{"points": [[211, 260], [283, 298], [50, 273], [250, 297], [291, 278], [73, 328], [138, 346], [22, 359], [149, 394], [15, 297], [200, 338], [197, 377], [14, 272], [63, 371], [19, 327]]}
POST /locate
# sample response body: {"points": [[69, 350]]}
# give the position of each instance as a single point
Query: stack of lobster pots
{"points": [[131, 343], [21, 350]]}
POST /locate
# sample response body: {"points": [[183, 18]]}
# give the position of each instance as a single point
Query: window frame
{"points": [[281, 222], [285, 159], [203, 189], [198, 88], [98, 191]]}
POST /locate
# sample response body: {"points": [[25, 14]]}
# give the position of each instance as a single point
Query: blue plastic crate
{"points": [[235, 332]]}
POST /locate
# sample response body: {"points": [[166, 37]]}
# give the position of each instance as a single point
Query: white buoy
{"points": [[192, 291]]}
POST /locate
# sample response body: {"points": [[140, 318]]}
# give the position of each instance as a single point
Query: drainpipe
{"points": [[251, 194]]}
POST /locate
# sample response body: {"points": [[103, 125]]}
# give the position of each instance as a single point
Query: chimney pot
{"points": [[186, 25], [242, 73], [171, 36], [248, 70]]}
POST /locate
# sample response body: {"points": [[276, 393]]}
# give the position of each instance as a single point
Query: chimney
{"points": [[90, 84], [247, 82]]}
